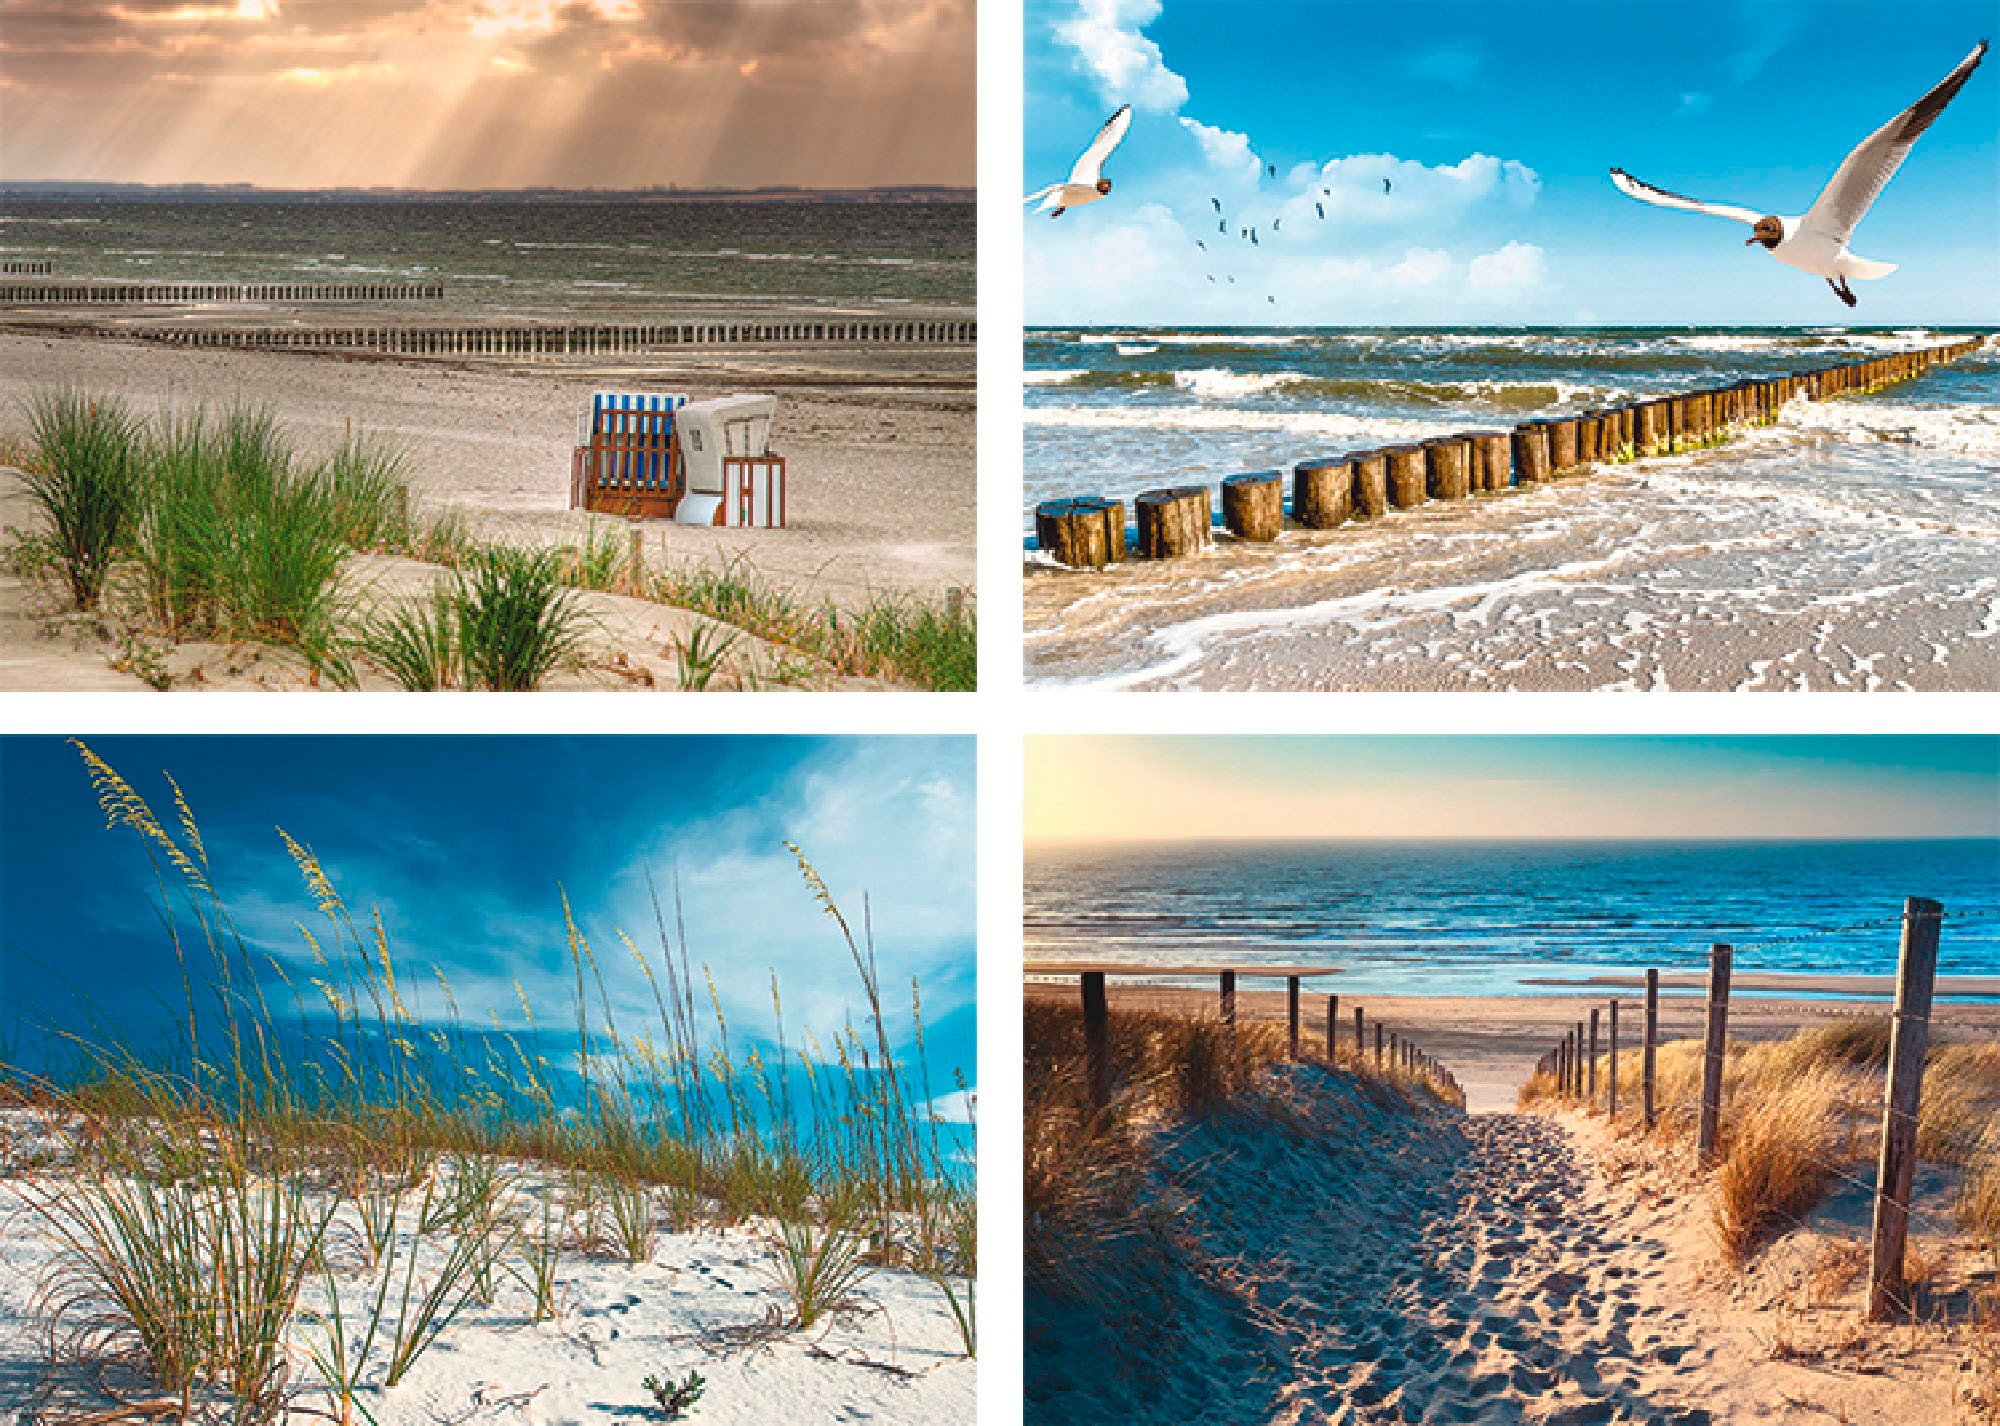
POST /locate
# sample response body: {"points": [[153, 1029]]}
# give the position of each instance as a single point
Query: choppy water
{"points": [[1491, 918], [1116, 412], [517, 253], [1853, 544]]}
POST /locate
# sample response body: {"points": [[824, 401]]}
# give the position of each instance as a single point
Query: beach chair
{"points": [[731, 477], [625, 461]]}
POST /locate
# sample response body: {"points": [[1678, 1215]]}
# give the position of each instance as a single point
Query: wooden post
{"points": [[1173, 521], [1448, 467], [1378, 1044], [1097, 1038], [1332, 1025], [1371, 485], [1086, 533], [1648, 1045], [1492, 464], [1323, 492], [1562, 443], [1229, 999], [1576, 1065], [1360, 1039], [1253, 505], [1612, 1065], [1531, 452], [1408, 479], [1714, 1051], [1292, 1010], [1909, 1037], [1590, 1065]]}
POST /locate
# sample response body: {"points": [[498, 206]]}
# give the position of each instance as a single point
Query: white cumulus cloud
{"points": [[1227, 152], [1513, 271], [1128, 68]]}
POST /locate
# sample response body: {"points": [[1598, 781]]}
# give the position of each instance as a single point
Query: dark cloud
{"points": [[490, 92]]}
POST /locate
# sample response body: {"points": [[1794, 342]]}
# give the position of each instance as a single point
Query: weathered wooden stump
{"points": [[1173, 521], [1086, 533], [1492, 460], [1531, 453], [1409, 477], [1371, 485], [1562, 443], [1448, 467], [1253, 505], [1323, 492], [1649, 429], [1589, 427]]}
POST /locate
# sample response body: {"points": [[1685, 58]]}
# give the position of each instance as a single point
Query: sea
{"points": [[1507, 918], [1115, 412], [512, 254]]}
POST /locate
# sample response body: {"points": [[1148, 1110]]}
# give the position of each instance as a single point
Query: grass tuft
{"points": [[82, 474], [517, 620]]}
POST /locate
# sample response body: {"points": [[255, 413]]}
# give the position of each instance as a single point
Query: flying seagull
{"points": [[1200, 244], [1274, 169], [1087, 182], [1218, 204], [1274, 224], [1385, 185], [1223, 226], [1321, 207], [1817, 242]]}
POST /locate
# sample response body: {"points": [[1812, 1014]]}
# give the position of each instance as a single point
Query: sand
{"points": [[894, 1359], [1343, 1258], [1491, 1043], [880, 487], [1627, 578]]}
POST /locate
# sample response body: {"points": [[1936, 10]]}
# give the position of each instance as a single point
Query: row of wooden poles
{"points": [[1573, 1064], [559, 339], [107, 294], [1090, 532], [27, 267], [1393, 1050]]}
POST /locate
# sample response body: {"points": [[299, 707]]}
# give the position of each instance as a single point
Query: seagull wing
{"points": [[1090, 167], [1646, 193], [1861, 177], [1040, 193]]}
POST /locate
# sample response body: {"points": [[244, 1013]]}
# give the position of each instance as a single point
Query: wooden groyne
{"points": [[27, 267], [563, 339], [161, 294], [1089, 532]]}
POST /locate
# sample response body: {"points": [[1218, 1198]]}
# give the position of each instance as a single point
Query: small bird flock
{"points": [[1815, 242]]}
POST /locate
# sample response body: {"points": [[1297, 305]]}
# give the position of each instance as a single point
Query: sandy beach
{"points": [[1343, 1254], [1491, 1043], [701, 1302]]}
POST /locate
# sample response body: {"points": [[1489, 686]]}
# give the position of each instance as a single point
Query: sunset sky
{"points": [[488, 93], [1184, 789]]}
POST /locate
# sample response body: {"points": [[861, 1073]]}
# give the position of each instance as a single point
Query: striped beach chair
{"points": [[624, 461]]}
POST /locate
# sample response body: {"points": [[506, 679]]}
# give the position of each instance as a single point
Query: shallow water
{"points": [[1854, 544], [1472, 918]]}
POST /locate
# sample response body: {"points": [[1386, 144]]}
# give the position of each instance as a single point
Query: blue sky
{"points": [[467, 844], [1567, 787], [1496, 124]]}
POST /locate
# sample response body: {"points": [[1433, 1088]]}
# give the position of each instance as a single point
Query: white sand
{"points": [[895, 1359]]}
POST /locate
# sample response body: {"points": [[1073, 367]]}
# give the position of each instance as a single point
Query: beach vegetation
{"points": [[318, 1169], [517, 621], [83, 475], [415, 640], [700, 655], [674, 1397]]}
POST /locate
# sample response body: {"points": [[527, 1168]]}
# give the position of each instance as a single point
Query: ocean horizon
{"points": [[1477, 917]]}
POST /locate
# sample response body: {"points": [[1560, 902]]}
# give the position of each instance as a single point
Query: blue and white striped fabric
{"points": [[609, 416]]}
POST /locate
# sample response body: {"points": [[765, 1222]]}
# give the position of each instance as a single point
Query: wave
{"points": [[1962, 429], [1191, 339], [1216, 384], [1379, 429]]}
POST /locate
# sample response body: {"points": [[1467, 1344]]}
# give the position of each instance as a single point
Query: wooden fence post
{"points": [[1360, 1039], [1378, 1044], [1576, 1065], [1292, 1010], [1590, 1065], [1332, 1025], [1611, 1065], [1096, 1038], [1229, 999], [1713, 1052], [1909, 1037], [1647, 1046]]}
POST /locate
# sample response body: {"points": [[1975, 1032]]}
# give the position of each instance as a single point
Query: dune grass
{"points": [[1090, 1192], [1802, 1114], [83, 475], [320, 1169], [892, 637]]}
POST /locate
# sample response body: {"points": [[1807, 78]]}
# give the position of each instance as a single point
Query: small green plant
{"points": [[674, 1398], [702, 654], [84, 478], [517, 621], [416, 641], [633, 1221], [600, 560], [819, 1264]]}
